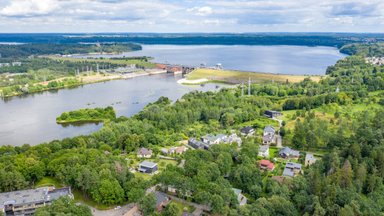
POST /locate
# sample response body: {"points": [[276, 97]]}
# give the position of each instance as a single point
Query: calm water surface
{"points": [[272, 59], [32, 119]]}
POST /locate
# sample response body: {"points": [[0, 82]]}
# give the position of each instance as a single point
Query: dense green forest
{"points": [[87, 115], [65, 206], [367, 50], [340, 118], [25, 50]]}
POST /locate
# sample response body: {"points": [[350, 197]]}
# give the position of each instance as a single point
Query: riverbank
{"points": [[204, 75], [75, 81]]}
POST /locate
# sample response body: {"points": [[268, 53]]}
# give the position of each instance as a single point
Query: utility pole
{"points": [[242, 89], [249, 86]]}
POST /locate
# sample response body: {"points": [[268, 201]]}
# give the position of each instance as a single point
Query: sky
{"points": [[237, 16]]}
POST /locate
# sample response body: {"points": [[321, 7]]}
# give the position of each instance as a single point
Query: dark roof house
{"points": [[246, 131], [287, 152], [272, 113], [162, 200], [292, 169], [147, 167]]}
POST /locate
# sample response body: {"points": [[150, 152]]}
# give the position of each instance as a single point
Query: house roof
{"points": [[247, 129], [293, 165], [310, 157], [267, 163], [42, 194], [213, 138], [144, 151], [267, 138], [160, 198], [147, 164], [288, 172], [237, 191], [289, 152], [180, 149], [269, 129], [272, 111]]}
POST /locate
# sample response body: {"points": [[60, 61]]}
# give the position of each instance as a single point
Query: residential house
{"points": [[208, 140], [269, 130], [267, 165], [240, 197], [164, 151], [162, 200], [16, 63], [268, 139], [5, 64], [287, 152], [25, 202], [196, 144], [272, 113], [247, 131], [233, 138], [309, 159], [148, 167], [292, 169], [180, 150], [269, 135], [212, 139], [144, 153], [264, 151]]}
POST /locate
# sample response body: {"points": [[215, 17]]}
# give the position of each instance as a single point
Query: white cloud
{"points": [[25, 8], [189, 16], [201, 11]]}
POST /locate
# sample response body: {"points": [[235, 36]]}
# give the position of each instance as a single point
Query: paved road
{"points": [[112, 212]]}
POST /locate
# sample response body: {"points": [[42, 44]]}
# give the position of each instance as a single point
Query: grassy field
{"points": [[48, 181], [239, 77], [182, 207], [79, 197]]}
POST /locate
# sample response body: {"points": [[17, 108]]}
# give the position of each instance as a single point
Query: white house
{"points": [[264, 151]]}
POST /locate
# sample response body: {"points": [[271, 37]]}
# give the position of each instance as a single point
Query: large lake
{"points": [[32, 119], [272, 59]]}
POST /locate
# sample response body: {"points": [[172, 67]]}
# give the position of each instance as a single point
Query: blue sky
{"points": [[191, 16]]}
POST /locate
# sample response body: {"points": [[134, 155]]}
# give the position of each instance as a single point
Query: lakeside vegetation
{"points": [[235, 77], [328, 116], [30, 49], [366, 50], [48, 73], [87, 115]]}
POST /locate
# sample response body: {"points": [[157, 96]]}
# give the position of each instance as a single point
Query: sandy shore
{"points": [[196, 81]]}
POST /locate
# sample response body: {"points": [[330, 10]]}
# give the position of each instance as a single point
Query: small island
{"points": [[87, 115]]}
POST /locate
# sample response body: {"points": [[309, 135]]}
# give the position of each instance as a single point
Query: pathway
{"points": [[113, 212], [279, 139]]}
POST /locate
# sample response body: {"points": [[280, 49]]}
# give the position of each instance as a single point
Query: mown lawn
{"points": [[48, 181], [183, 207], [240, 76], [79, 197]]}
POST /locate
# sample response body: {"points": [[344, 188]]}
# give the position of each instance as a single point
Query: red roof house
{"points": [[267, 165]]}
